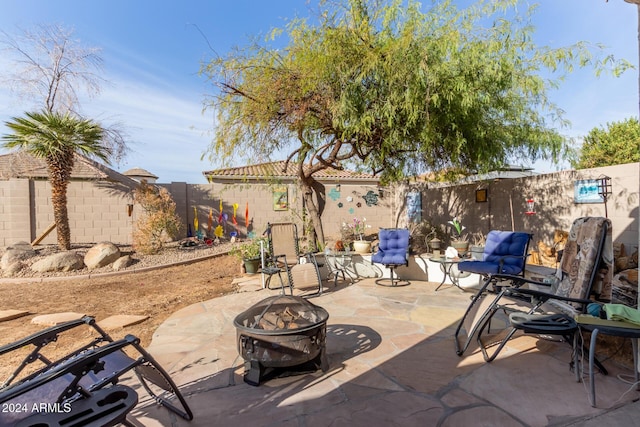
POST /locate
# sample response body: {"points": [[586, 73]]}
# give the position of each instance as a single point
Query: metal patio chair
{"points": [[107, 355], [544, 308], [393, 252]]}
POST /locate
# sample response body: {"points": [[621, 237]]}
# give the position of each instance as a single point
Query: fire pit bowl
{"points": [[281, 331]]}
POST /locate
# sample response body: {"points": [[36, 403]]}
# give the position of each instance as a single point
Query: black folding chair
{"points": [[114, 363]]}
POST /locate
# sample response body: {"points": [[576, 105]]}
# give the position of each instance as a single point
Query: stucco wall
{"points": [[554, 203], [337, 206], [98, 210]]}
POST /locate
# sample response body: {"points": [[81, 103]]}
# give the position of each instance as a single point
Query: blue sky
{"points": [[152, 52]]}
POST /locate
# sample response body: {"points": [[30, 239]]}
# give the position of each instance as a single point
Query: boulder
{"points": [[16, 253], [122, 262], [101, 254], [61, 261], [13, 269]]}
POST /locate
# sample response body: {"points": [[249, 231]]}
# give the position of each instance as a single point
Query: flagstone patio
{"points": [[392, 362]]}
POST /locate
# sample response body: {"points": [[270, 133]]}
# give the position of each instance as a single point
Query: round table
{"points": [[446, 264]]}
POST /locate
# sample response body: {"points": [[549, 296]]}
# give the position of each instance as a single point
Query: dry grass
{"points": [[156, 294]]}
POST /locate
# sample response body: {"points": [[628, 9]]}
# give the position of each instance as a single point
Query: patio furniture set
{"points": [[288, 332]]}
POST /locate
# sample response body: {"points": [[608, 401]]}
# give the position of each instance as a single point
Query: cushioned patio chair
{"points": [[544, 308], [505, 252], [153, 378], [393, 252]]}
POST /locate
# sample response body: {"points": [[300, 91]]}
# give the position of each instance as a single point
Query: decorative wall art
{"points": [[280, 199], [481, 195], [414, 206], [586, 191], [371, 198]]}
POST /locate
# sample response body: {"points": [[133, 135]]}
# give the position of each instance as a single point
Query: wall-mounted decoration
{"points": [[531, 207], [414, 206], [359, 204], [481, 195], [371, 198], [349, 199], [334, 194], [586, 191], [280, 199], [340, 205], [351, 211]]}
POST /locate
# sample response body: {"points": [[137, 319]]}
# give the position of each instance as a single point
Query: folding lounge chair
{"points": [[154, 379], [305, 276], [60, 395], [393, 251], [588, 253], [505, 252], [283, 250]]}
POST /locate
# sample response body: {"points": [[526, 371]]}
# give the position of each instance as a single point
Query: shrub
{"points": [[159, 221]]}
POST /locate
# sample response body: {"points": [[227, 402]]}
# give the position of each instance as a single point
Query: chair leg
{"points": [[480, 294]]}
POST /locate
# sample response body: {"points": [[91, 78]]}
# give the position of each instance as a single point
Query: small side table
{"points": [[446, 264], [338, 263], [615, 329]]}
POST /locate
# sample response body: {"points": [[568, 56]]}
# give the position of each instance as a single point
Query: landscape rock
{"points": [[122, 262], [101, 254], [16, 252], [13, 269], [61, 261]]}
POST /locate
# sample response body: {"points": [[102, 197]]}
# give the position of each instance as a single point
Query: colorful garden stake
{"points": [[195, 219], [235, 210]]}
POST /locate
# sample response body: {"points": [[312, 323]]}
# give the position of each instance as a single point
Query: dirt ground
{"points": [[157, 294]]}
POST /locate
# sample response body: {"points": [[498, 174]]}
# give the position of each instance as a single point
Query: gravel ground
{"points": [[172, 253]]}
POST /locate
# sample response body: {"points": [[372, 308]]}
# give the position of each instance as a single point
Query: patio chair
{"points": [[505, 252], [549, 309], [283, 251], [153, 378], [393, 251], [305, 276]]}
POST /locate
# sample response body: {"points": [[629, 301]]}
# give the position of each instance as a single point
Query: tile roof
{"points": [[137, 171], [20, 164], [277, 170]]}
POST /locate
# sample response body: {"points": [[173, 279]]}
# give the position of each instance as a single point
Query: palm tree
{"points": [[56, 138]]}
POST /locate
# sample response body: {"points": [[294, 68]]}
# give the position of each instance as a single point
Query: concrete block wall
{"points": [[554, 203], [338, 206]]}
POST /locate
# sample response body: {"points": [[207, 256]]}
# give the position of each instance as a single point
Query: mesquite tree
{"points": [[395, 89]]}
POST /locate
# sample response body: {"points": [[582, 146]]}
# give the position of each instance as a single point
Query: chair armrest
{"points": [[46, 336], [519, 280], [545, 296]]}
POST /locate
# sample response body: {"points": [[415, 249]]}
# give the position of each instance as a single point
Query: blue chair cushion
{"points": [[393, 248], [504, 252]]}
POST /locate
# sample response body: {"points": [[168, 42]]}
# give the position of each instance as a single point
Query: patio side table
{"points": [[613, 328], [338, 263], [446, 264]]}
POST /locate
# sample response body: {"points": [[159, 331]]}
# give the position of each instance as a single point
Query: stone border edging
{"points": [[108, 274]]}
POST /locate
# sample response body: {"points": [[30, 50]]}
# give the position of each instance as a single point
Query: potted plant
{"points": [[459, 241], [249, 253], [358, 227], [477, 248]]}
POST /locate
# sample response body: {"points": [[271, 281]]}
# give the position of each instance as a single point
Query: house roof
{"points": [[277, 170], [139, 172], [21, 164]]}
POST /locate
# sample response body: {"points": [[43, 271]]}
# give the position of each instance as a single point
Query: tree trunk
{"points": [[60, 214], [306, 185]]}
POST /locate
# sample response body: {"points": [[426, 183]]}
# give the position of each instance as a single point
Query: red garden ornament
{"points": [[530, 207]]}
